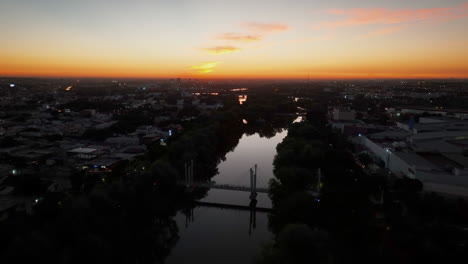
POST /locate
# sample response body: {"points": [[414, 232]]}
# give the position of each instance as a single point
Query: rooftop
{"points": [[415, 160], [82, 150]]}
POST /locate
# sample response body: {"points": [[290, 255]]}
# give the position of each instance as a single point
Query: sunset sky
{"points": [[234, 39]]}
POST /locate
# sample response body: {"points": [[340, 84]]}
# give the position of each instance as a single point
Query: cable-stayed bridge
{"points": [[238, 184]]}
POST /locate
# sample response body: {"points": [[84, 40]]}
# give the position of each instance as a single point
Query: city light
{"points": [[151, 136]]}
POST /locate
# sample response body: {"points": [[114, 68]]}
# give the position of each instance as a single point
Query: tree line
{"points": [[351, 216]]}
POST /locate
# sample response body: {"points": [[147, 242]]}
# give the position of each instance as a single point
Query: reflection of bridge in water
{"points": [[190, 185], [190, 215], [251, 206]]}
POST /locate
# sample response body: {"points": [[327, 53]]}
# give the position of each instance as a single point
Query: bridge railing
{"points": [[225, 186]]}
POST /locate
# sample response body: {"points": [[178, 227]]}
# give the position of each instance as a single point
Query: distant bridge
{"points": [[235, 207], [190, 185], [212, 185]]}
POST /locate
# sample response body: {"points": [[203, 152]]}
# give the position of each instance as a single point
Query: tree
{"points": [[163, 174], [365, 159], [8, 142], [465, 153], [298, 207], [36, 246], [317, 116], [299, 152], [295, 178]]}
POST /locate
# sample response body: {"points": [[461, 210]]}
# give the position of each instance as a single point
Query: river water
{"points": [[216, 235]]}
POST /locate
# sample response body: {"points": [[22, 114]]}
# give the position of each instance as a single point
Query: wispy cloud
{"points": [[240, 37], [205, 67], [257, 32], [266, 27], [384, 31], [221, 50], [383, 16], [328, 36]]}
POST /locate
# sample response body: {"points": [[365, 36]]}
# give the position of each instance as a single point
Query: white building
{"points": [[343, 114], [84, 153], [432, 159]]}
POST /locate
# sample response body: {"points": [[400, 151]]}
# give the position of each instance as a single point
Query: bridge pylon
{"points": [[188, 174], [253, 198], [253, 183]]}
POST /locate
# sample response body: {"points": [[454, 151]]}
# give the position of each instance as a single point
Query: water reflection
{"points": [[236, 198], [242, 99], [298, 119], [251, 150], [219, 236]]}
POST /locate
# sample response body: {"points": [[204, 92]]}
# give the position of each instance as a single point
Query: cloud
{"points": [[383, 16], [266, 27], [326, 36], [221, 50], [240, 37], [205, 67], [384, 31], [259, 31]]}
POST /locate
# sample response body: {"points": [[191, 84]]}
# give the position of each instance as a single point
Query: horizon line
{"points": [[232, 78]]}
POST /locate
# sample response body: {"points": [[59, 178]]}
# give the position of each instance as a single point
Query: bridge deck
{"points": [[225, 187], [233, 206]]}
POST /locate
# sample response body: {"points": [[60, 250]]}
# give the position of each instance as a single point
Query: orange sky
{"points": [[265, 39]]}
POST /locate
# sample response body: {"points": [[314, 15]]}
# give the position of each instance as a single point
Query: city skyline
{"points": [[213, 39]]}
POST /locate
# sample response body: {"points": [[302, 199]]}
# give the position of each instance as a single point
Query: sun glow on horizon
{"points": [[400, 39], [205, 67]]}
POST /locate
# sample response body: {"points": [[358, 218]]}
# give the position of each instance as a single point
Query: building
{"points": [[84, 153], [431, 152], [457, 113], [343, 114], [123, 140]]}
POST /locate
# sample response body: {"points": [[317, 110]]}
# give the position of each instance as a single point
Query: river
{"points": [[216, 235]]}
